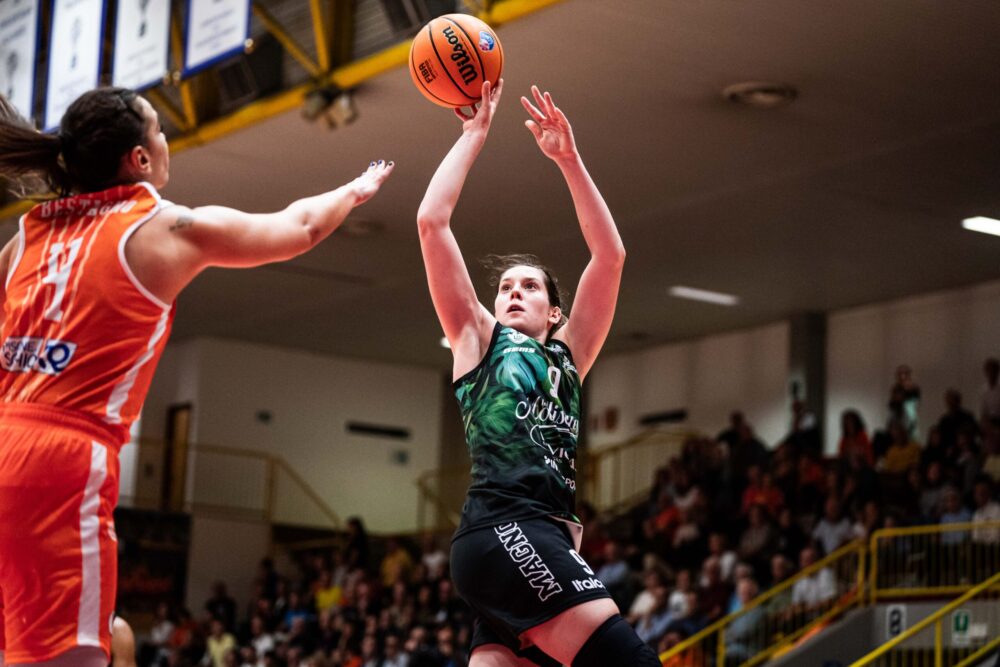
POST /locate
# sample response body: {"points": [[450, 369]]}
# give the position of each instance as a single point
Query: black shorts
{"points": [[518, 575]]}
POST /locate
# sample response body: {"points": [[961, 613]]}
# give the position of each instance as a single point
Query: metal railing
{"points": [[779, 617], [932, 561], [966, 642]]}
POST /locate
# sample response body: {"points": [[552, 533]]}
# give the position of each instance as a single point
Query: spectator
{"points": [[643, 603], [932, 493], [394, 657], [954, 512], [357, 550], [678, 600], [219, 643], [904, 403], [869, 520], [903, 452], [813, 591], [327, 594], [834, 529], [396, 564], [718, 547], [853, 438], [615, 574], [653, 624], [762, 491], [261, 640], [987, 510], [221, 606], [804, 436], [744, 639], [714, 592], [790, 539], [954, 420], [745, 452], [757, 540], [434, 559]]}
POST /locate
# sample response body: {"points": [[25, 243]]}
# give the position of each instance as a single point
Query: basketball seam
{"points": [[417, 78], [445, 69], [475, 49]]}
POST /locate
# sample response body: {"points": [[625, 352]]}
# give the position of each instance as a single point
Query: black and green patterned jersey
{"points": [[521, 409]]}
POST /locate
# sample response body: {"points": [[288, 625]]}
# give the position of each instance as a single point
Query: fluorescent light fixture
{"points": [[718, 298], [981, 224], [444, 343]]}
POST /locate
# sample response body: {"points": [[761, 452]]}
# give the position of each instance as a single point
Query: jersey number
{"points": [[58, 275], [555, 374]]}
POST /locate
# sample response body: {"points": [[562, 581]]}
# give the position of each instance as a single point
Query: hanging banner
{"points": [[216, 29], [142, 38], [74, 54], [18, 40]]}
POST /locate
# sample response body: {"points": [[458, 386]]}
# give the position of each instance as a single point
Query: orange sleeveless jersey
{"points": [[80, 331]]}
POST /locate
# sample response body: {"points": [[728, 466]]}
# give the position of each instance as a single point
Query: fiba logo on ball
{"points": [[427, 71], [486, 41]]}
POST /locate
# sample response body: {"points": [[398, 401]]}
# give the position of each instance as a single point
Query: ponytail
{"points": [[27, 154], [97, 130]]}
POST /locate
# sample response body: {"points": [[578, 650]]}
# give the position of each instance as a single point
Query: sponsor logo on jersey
{"points": [[486, 41], [516, 337], [522, 350], [42, 355], [531, 565], [587, 584]]}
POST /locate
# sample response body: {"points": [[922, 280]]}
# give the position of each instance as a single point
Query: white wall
{"points": [[944, 337], [709, 377], [310, 399]]}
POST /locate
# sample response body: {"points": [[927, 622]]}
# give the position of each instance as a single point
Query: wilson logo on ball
{"points": [[460, 57]]}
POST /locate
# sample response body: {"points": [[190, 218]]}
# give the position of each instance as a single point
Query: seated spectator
{"points": [[659, 528], [679, 596], [834, 529], [902, 453], [744, 638], [692, 622], [396, 564], [394, 656], [762, 491], [790, 538], [718, 547], [595, 537], [955, 420], [327, 595], [868, 520], [219, 643], [813, 591], [854, 438], [714, 592], [932, 493], [967, 462], [296, 609], [652, 625], [687, 543], [954, 512], [757, 540], [642, 604], [615, 574], [987, 510], [261, 640], [811, 487], [433, 558]]}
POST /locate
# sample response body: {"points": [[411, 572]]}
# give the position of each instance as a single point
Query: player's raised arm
{"points": [[597, 292], [466, 323]]}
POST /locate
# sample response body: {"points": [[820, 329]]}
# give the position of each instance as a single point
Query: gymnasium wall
{"points": [[297, 405], [944, 336]]}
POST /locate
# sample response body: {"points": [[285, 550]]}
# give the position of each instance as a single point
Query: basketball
{"points": [[451, 57]]}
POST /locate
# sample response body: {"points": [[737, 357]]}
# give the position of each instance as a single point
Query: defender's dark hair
{"points": [[498, 264], [96, 131]]}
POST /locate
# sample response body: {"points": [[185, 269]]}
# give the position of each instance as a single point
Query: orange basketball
{"points": [[451, 56]]}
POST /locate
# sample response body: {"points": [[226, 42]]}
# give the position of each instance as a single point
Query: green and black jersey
{"points": [[521, 409]]}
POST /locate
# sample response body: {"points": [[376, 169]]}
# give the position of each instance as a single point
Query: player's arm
{"points": [[6, 257], [122, 644], [466, 323], [169, 251], [597, 292]]}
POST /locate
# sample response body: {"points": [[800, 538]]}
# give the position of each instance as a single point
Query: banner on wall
{"points": [[74, 54], [18, 42], [142, 39], [216, 29]]}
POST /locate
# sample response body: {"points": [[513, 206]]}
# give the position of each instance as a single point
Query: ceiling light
{"points": [[982, 224], [760, 94], [444, 343], [718, 298]]}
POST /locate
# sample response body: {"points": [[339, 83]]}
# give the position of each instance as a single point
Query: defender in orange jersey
{"points": [[88, 289]]}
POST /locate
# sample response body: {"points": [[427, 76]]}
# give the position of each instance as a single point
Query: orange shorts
{"points": [[58, 549]]}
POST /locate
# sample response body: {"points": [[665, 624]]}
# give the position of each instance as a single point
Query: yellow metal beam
{"points": [[345, 77], [166, 106], [287, 41], [320, 35]]}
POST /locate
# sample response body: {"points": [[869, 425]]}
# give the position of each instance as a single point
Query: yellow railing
{"points": [[615, 476], [931, 643], [235, 483], [929, 561], [780, 617]]}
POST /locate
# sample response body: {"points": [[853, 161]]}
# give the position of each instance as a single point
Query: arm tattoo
{"points": [[183, 220]]}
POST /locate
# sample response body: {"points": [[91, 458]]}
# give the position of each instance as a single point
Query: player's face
{"points": [[522, 302], [156, 145]]}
